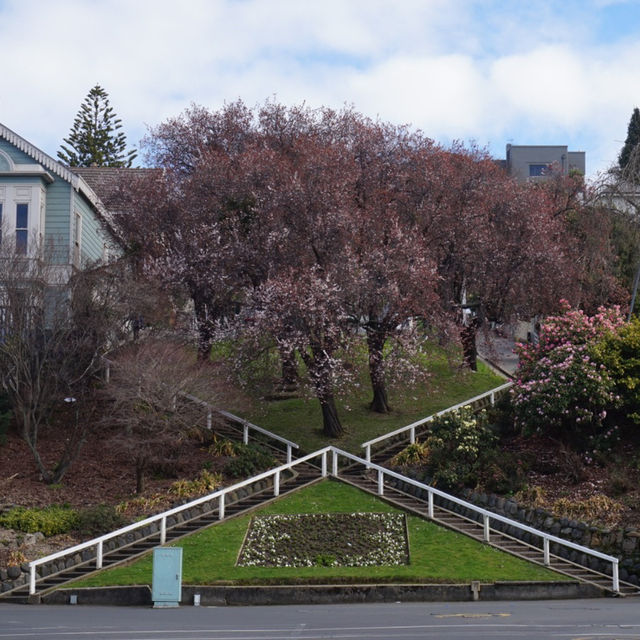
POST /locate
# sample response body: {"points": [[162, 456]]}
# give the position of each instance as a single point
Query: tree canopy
{"points": [[96, 138], [313, 231], [632, 140]]}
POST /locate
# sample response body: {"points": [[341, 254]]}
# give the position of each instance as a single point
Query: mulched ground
{"points": [[561, 473], [100, 475]]}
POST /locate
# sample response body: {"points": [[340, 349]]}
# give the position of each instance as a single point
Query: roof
{"points": [[106, 182], [74, 175]]}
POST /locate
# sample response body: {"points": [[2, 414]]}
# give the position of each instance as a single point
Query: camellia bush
{"points": [[563, 388], [620, 354]]}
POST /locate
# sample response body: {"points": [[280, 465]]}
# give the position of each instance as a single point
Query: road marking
{"points": [[470, 615]]}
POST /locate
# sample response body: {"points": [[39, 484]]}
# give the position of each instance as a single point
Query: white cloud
{"points": [[455, 68]]}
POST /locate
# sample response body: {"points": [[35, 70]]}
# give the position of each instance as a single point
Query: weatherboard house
{"points": [[45, 204]]}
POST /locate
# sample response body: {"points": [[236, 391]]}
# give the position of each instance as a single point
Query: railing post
{"points": [[163, 530], [380, 482], [324, 464], [276, 484], [334, 464], [245, 433], [493, 398], [430, 506], [32, 579], [616, 579], [289, 456], [99, 555], [412, 435], [221, 507], [485, 518], [545, 551], [367, 454], [209, 419]]}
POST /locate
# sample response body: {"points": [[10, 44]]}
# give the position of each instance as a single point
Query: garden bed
{"points": [[326, 539]]}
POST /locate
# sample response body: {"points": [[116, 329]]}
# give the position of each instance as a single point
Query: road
{"points": [[601, 619]]}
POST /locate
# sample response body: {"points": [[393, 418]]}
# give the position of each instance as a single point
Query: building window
{"points": [[22, 227], [77, 239], [537, 170]]}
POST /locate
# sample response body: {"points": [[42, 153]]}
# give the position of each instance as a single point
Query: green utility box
{"points": [[166, 590]]}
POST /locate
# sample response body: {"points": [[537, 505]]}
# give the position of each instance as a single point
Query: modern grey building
{"points": [[533, 162]]}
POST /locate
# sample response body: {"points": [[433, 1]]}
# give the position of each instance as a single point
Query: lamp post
{"points": [[70, 400]]}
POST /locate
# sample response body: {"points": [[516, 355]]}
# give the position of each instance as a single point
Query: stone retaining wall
{"points": [[331, 594], [622, 543], [16, 576]]}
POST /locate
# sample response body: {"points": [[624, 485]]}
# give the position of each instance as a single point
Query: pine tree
{"points": [[95, 138], [633, 138]]}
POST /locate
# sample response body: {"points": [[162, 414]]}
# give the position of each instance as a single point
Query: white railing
{"points": [[411, 428], [161, 518], [245, 424], [487, 516], [210, 410]]}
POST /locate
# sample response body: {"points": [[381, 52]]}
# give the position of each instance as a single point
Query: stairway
{"points": [[304, 475], [457, 522]]}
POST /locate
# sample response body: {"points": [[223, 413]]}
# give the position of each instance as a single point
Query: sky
{"points": [[490, 72]]}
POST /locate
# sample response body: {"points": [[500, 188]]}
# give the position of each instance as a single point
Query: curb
{"points": [[330, 594]]}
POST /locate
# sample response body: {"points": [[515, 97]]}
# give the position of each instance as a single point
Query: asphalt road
{"points": [[602, 619]]}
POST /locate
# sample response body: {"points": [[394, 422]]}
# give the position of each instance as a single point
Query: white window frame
{"points": [[23, 229], [77, 239]]}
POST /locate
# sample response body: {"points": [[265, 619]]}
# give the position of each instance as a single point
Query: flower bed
{"points": [[326, 539]]}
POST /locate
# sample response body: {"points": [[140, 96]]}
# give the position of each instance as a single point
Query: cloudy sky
{"points": [[491, 71]]}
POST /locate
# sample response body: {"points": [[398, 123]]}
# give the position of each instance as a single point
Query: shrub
{"points": [[16, 558], [620, 354], [250, 459], [595, 509], [500, 472], [561, 387], [49, 520], [99, 519], [222, 447], [413, 454], [140, 505], [206, 482], [456, 443]]}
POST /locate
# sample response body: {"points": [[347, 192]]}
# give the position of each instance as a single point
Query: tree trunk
{"points": [[205, 335], [331, 425], [375, 344], [468, 338], [289, 368], [320, 373]]}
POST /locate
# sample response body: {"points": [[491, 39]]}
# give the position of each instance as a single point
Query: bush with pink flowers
{"points": [[562, 387]]}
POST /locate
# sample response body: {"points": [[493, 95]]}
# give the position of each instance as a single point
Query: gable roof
{"points": [[107, 182], [62, 171]]}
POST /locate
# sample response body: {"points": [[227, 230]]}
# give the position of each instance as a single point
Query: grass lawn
{"points": [[300, 420], [437, 555]]}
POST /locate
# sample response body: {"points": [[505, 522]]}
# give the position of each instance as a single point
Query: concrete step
{"points": [[123, 554]]}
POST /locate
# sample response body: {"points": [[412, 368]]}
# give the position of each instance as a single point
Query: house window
{"points": [[22, 227], [77, 239], [537, 170]]}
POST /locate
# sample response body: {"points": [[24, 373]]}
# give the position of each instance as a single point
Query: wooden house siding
{"points": [[19, 157]]}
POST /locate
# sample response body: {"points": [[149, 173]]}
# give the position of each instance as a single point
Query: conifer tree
{"points": [[95, 137], [633, 138]]}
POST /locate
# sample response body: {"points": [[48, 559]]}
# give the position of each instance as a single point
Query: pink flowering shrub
{"points": [[561, 387]]}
